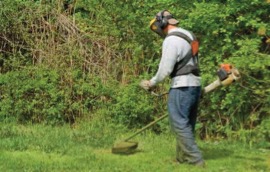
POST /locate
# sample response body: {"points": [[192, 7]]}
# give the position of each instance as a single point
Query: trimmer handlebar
{"points": [[226, 77], [227, 74]]}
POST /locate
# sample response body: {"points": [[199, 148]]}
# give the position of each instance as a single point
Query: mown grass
{"points": [[87, 147]]}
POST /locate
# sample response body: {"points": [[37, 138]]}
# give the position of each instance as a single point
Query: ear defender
{"points": [[163, 20], [159, 23]]}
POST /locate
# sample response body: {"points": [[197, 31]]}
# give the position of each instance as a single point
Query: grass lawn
{"points": [[88, 148]]}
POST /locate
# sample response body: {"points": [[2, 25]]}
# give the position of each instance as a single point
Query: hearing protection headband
{"points": [[159, 23], [163, 20]]}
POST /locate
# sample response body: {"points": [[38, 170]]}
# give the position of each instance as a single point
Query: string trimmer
{"points": [[227, 74]]}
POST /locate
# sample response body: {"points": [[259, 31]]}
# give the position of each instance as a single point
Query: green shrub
{"points": [[76, 57], [133, 106], [44, 95], [228, 32], [31, 96]]}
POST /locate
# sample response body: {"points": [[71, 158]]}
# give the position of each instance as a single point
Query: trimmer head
{"points": [[128, 147], [125, 147]]}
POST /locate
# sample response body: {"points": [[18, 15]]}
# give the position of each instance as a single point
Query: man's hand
{"points": [[145, 84]]}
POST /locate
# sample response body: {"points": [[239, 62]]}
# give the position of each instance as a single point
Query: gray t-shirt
{"points": [[174, 49]]}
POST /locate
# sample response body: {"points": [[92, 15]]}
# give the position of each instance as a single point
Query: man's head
{"points": [[161, 22]]}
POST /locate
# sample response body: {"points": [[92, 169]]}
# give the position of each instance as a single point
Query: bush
{"points": [[79, 56], [44, 95], [229, 32], [133, 106]]}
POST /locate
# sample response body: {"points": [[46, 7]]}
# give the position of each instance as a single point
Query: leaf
{"points": [[262, 30]]}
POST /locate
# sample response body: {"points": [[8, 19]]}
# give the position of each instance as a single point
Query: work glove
{"points": [[145, 84]]}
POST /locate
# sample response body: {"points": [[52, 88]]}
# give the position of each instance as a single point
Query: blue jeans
{"points": [[183, 105]]}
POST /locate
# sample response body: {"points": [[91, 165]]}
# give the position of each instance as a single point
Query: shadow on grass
{"points": [[256, 163], [137, 151], [216, 153], [257, 159]]}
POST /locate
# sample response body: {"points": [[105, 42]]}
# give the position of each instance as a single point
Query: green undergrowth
{"points": [[87, 145]]}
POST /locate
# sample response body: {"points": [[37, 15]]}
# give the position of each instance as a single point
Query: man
{"points": [[179, 61]]}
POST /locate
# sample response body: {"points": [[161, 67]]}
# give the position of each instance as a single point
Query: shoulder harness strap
{"points": [[193, 54]]}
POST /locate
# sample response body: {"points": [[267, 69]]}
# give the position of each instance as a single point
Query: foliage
{"points": [[67, 59], [262, 133], [133, 106], [229, 33], [41, 95]]}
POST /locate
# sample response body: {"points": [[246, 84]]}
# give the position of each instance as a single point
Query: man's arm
{"points": [[170, 52]]}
